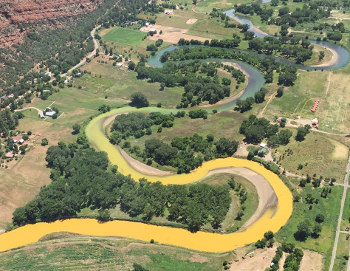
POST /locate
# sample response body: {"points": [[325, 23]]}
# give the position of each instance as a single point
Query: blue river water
{"points": [[255, 78]]}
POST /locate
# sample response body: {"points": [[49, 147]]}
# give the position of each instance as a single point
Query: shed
{"points": [[262, 145]]}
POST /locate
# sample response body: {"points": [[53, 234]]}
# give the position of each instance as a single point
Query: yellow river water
{"points": [[272, 220]]}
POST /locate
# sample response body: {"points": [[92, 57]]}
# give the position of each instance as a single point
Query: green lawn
{"points": [[124, 36]]}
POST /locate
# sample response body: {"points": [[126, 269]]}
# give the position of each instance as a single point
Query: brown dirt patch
{"points": [[340, 151], [258, 260], [170, 34], [196, 258], [191, 21], [312, 261]]}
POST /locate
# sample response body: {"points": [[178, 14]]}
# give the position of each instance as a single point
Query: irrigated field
{"points": [[124, 36]]}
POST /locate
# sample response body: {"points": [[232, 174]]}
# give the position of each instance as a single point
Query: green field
{"points": [[124, 36]]}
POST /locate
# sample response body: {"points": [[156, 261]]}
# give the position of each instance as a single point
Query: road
{"points": [[89, 55], [335, 245]]}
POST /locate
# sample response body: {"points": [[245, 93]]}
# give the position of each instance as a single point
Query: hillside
{"points": [[15, 15]]}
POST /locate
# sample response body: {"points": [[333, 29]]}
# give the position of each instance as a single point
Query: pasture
{"points": [[124, 36]]}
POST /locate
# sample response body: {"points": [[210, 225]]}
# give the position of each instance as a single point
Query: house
{"points": [[50, 113], [21, 141], [119, 65], [262, 145], [152, 30], [9, 155], [146, 24]]}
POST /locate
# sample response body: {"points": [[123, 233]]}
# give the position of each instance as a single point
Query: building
{"points": [[9, 155], [50, 113]]}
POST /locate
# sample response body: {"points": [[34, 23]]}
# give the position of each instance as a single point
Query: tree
{"points": [[138, 267], [302, 132], [321, 56], [103, 215], [139, 100], [316, 230], [76, 128], [284, 136], [44, 142], [131, 66], [104, 108], [319, 218], [279, 92], [303, 231]]}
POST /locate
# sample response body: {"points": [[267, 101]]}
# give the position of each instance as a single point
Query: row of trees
{"points": [[81, 179]]}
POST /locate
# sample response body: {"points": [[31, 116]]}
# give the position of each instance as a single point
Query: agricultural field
{"points": [[124, 36]]}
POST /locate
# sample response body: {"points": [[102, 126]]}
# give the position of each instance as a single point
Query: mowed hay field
{"points": [[313, 154], [84, 253], [124, 36]]}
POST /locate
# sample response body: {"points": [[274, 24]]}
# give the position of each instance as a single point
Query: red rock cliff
{"points": [[13, 12]]}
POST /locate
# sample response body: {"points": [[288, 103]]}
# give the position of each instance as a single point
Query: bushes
{"points": [[198, 113]]}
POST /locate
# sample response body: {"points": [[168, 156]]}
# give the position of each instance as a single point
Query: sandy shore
{"points": [[333, 61]]}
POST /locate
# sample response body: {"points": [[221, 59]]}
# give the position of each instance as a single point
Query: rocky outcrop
{"points": [[15, 13]]}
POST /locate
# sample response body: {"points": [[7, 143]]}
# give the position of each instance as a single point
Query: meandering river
{"points": [[272, 219]]}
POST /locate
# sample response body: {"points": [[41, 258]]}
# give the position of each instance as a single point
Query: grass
{"points": [[124, 36], [343, 248], [120, 84], [345, 225], [302, 212], [84, 253], [313, 153]]}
